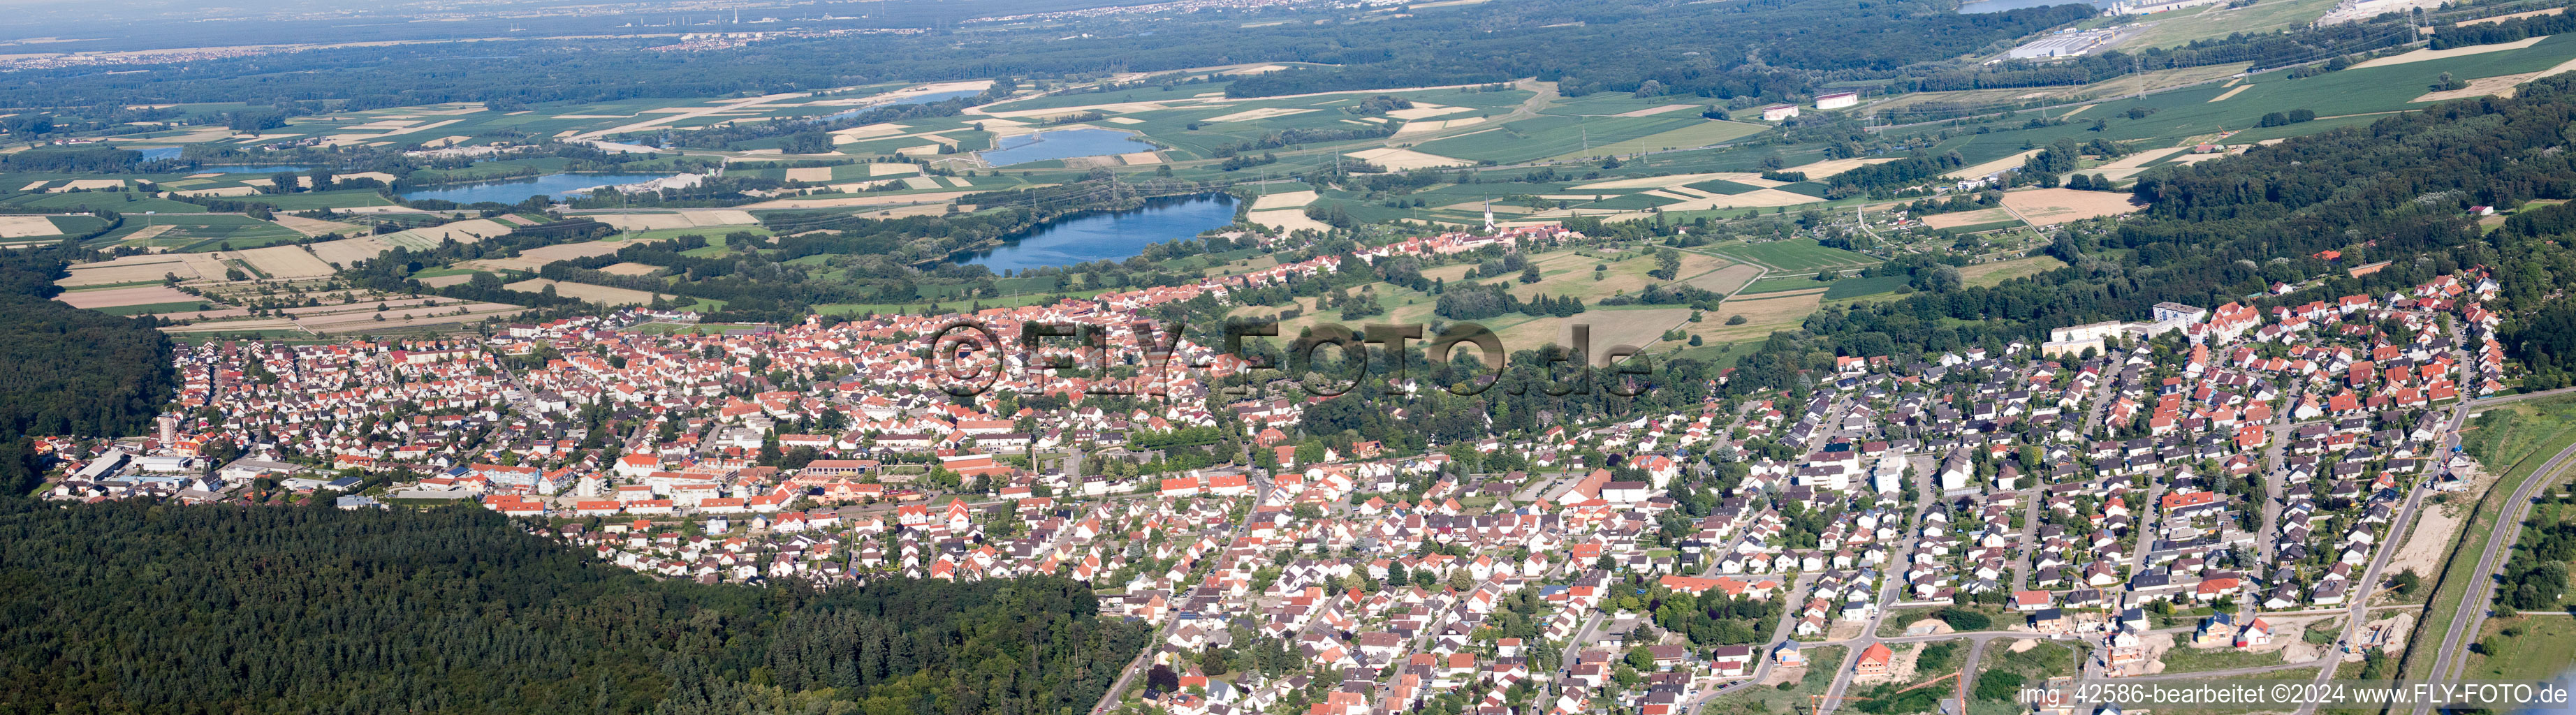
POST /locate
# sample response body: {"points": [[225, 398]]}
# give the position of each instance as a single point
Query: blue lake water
{"points": [[160, 152], [251, 169], [1978, 6], [1110, 235], [512, 191], [1063, 144], [921, 99]]}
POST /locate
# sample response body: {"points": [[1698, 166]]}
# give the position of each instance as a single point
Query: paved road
{"points": [[1145, 660], [2361, 589], [2475, 605], [1891, 583]]}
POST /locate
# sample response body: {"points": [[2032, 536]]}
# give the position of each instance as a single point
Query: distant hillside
{"points": [[121, 608]]}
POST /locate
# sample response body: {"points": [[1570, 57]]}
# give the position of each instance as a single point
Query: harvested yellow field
{"points": [[886, 200], [112, 297], [2143, 158], [1256, 114], [1427, 126], [349, 251], [129, 269], [1405, 159], [1657, 110], [1288, 221], [644, 222], [1422, 110], [1967, 218], [2499, 85], [631, 269], [284, 262], [316, 227], [2222, 96], [1636, 328], [25, 226], [227, 326], [1993, 273], [222, 192], [91, 184], [2042, 207], [445, 281], [1138, 158], [1289, 200], [1726, 280], [2515, 16], [2425, 55], [1124, 120], [398, 319], [1661, 182], [469, 230], [892, 169], [814, 174], [1970, 172], [1763, 314], [1830, 167], [602, 295]]}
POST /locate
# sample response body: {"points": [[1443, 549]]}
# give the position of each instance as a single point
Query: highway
{"points": [[2474, 606]]}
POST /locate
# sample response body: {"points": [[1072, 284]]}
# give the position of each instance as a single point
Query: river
{"points": [[511, 191], [1106, 235]]}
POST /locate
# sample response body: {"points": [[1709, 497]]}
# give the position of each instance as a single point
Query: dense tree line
{"points": [[130, 607], [2513, 30], [2221, 230], [70, 371]]}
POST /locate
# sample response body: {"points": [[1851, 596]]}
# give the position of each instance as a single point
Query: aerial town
{"points": [[2202, 480]]}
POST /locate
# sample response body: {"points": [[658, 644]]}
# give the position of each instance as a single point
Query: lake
{"points": [[160, 152], [1978, 6], [1063, 144], [1107, 235], [511, 191]]}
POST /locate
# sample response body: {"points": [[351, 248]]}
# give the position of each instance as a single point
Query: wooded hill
{"points": [[135, 608]]}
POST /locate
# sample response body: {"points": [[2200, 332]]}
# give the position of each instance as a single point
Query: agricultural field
{"points": [[602, 295], [2048, 207], [2181, 27], [1792, 256], [1994, 273]]}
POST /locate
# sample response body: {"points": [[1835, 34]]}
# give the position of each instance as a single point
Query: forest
{"points": [[71, 371], [1757, 48], [132, 608], [2398, 188]]}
